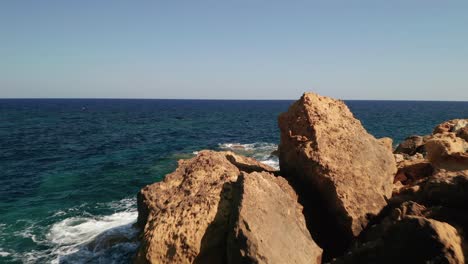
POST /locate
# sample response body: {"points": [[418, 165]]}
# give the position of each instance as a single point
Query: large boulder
{"points": [[348, 171], [268, 223], [185, 217], [447, 151], [191, 215]]}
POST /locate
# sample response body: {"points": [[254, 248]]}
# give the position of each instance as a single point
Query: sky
{"points": [[234, 49]]}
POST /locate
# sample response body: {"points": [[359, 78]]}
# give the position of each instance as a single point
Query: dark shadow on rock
{"points": [[244, 166], [214, 242], [143, 211], [321, 222]]}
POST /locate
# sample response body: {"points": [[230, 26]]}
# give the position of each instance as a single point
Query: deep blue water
{"points": [[70, 168]]}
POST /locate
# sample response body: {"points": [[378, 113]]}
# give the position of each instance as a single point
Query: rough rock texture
{"points": [[412, 145], [411, 239], [185, 217], [268, 224], [347, 170], [441, 197], [218, 197], [463, 133], [410, 171], [447, 151], [451, 126]]}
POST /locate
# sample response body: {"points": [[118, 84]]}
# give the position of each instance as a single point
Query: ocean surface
{"points": [[70, 168]]}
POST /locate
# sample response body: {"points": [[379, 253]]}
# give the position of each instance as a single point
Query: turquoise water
{"points": [[70, 169]]}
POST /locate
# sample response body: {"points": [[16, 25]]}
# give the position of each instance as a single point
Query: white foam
{"points": [[236, 146], [4, 253], [86, 239], [79, 230], [27, 232], [261, 151], [274, 163]]}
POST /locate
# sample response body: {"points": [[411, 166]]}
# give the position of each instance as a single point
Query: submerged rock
{"points": [[347, 171]]}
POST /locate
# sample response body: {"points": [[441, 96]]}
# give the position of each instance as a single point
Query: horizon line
{"points": [[213, 99]]}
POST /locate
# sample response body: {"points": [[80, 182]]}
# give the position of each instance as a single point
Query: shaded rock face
{"points": [[463, 133], [441, 197], [188, 217], [412, 239], [268, 211], [410, 171], [412, 145], [328, 153], [185, 217]]}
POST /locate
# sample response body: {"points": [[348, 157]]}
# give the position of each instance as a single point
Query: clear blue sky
{"points": [[248, 49]]}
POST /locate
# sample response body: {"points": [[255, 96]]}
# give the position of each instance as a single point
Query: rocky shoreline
{"points": [[341, 196]]}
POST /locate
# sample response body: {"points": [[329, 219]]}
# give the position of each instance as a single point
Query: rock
{"points": [[248, 164], [412, 145], [451, 126], [441, 197], [413, 239], [445, 188], [275, 153], [186, 216], [268, 224], [410, 171], [399, 158], [463, 133], [346, 171], [386, 142], [446, 151]]}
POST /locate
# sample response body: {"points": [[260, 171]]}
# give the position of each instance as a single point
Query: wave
{"points": [[4, 253], [87, 239], [262, 151]]}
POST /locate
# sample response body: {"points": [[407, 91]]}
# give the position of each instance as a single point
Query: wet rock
{"points": [[346, 172]]}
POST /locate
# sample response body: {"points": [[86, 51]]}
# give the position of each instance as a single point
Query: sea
{"points": [[70, 169]]}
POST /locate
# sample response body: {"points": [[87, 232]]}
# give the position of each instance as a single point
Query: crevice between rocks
{"points": [[216, 248], [249, 168], [320, 212]]}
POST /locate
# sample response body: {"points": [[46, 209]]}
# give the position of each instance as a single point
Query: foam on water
{"points": [[262, 151], [86, 239], [4, 253], [78, 230]]}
